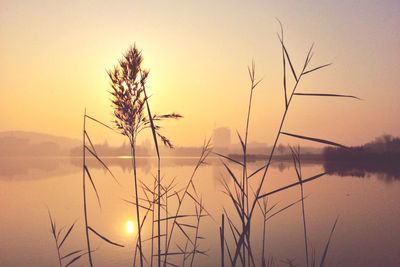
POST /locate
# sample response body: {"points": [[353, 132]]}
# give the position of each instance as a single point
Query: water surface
{"points": [[367, 234]]}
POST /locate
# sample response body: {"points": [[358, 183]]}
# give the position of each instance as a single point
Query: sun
{"points": [[130, 227]]}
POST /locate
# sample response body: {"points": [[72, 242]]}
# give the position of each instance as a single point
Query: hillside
{"points": [[22, 143]]}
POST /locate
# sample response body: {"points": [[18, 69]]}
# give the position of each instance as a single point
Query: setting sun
{"points": [[130, 227]]}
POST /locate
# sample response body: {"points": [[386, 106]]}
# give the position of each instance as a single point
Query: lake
{"points": [[368, 206]]}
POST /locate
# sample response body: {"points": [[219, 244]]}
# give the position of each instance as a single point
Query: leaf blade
{"points": [[327, 95], [104, 238], [318, 140]]}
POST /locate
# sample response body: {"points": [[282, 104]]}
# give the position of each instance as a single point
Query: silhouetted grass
{"points": [[85, 171], [130, 100], [60, 237], [297, 166], [239, 195], [163, 203]]}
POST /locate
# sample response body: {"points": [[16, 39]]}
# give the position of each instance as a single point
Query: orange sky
{"points": [[54, 58]]}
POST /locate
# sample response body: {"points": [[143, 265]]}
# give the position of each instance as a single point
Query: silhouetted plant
{"points": [[129, 99], [86, 173], [297, 166], [60, 237], [239, 195]]}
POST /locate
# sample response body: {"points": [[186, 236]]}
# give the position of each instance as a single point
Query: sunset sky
{"points": [[54, 56]]}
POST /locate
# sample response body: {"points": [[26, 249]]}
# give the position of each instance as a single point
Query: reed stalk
{"points": [[222, 237], [240, 195], [60, 237], [84, 190], [129, 100], [206, 150]]}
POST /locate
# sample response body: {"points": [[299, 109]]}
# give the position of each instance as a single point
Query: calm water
{"points": [[367, 234]]}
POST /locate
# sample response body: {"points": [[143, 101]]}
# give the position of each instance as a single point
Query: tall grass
{"points": [[239, 195], [60, 237], [86, 174], [297, 166], [188, 192], [129, 98], [163, 201]]}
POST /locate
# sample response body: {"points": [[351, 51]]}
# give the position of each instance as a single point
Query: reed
{"points": [[297, 166], [174, 218], [323, 258], [163, 203], [239, 195], [60, 236], [129, 101], [190, 186], [86, 174]]}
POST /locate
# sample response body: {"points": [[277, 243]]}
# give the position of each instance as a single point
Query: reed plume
{"points": [[129, 101]]}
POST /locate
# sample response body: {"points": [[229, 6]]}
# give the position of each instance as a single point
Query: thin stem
{"points": [[84, 190], [267, 165], [222, 235], [304, 223], [133, 152], [245, 180], [166, 215], [196, 235], [58, 250], [203, 156], [158, 179], [263, 242], [159, 211], [152, 224]]}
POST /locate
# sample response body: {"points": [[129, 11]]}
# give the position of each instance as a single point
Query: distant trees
{"points": [[383, 148], [20, 147], [384, 144], [116, 151]]}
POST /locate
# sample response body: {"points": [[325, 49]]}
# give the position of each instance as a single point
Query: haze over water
{"points": [[366, 235], [74, 80]]}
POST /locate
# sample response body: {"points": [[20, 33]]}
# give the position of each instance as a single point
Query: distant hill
{"points": [[28, 144]]}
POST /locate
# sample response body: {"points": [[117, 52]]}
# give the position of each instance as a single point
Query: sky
{"points": [[54, 56]]}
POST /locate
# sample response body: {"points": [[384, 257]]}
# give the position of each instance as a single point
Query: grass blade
{"points": [[291, 185], [284, 66], [99, 122], [67, 234], [317, 68], [77, 258], [90, 141], [101, 162], [322, 141], [74, 259], [285, 208], [229, 158], [330, 95], [104, 238], [257, 171], [288, 58], [71, 253], [234, 177], [327, 244], [93, 185]]}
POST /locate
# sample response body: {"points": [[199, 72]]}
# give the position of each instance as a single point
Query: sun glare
{"points": [[130, 227]]}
